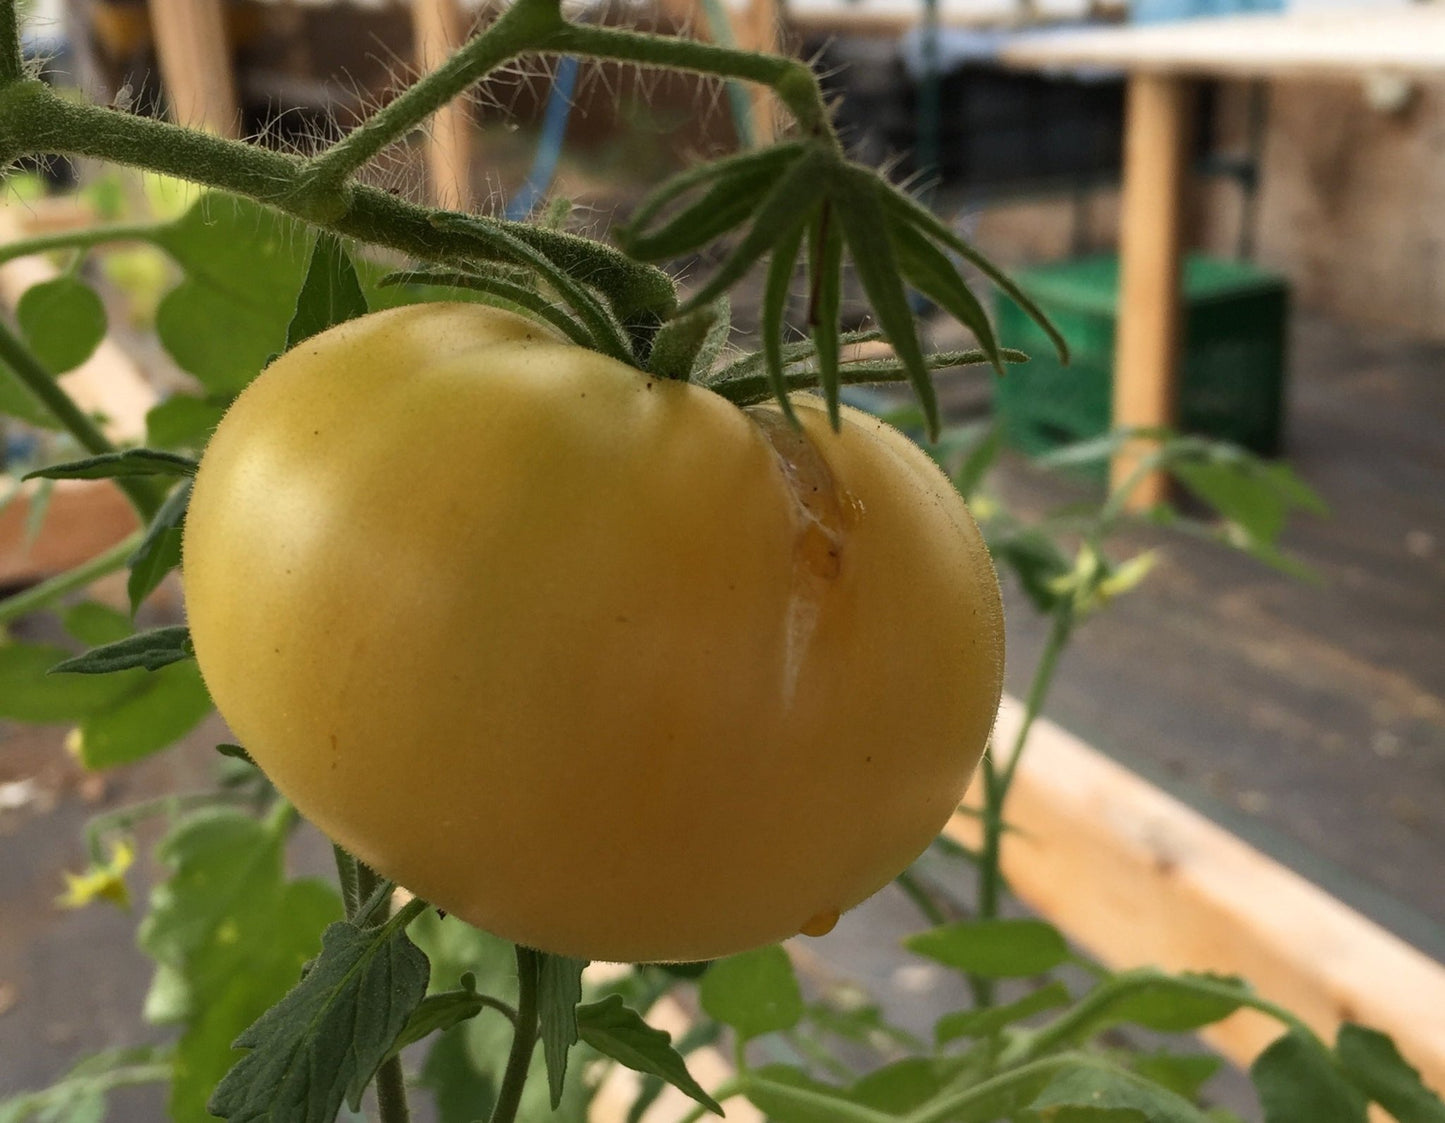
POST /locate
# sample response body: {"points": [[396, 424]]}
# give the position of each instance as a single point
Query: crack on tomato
{"points": [[822, 512]]}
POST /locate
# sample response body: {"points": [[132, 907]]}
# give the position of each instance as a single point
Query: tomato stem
{"points": [[524, 1039], [47, 592]]}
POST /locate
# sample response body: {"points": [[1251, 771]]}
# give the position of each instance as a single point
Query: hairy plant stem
{"points": [[12, 60], [998, 779], [391, 1092], [524, 1039], [83, 239], [346, 875], [51, 590]]}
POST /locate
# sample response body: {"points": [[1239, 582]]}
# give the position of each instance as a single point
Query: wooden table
{"points": [[1162, 61]]}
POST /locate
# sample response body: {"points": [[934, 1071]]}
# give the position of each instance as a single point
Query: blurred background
{"points": [[1289, 174]]}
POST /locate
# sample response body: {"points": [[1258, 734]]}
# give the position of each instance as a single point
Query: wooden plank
{"points": [[82, 519], [438, 29], [195, 60], [1137, 878], [1404, 40], [1151, 236], [757, 30]]}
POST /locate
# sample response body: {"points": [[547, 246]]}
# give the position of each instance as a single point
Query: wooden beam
{"points": [[1151, 236], [438, 29], [195, 61], [1138, 878], [757, 30]]}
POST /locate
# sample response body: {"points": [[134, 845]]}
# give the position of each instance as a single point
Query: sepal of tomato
{"points": [[597, 661]]}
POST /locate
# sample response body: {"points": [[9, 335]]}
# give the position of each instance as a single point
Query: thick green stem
{"points": [[346, 876], [524, 1040], [1003, 1095], [921, 898], [12, 60], [48, 592], [391, 1092]]}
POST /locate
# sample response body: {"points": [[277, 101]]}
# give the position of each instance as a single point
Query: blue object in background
{"points": [[1163, 11], [549, 147]]}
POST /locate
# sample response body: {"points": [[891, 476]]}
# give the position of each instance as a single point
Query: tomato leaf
{"points": [[1099, 1086], [95, 624], [1173, 1004], [825, 275], [1298, 1082], [331, 293], [161, 707], [79, 1095], [500, 292], [993, 948], [991, 1019], [775, 307], [244, 265], [184, 421], [119, 465], [160, 549], [28, 692], [63, 322], [229, 934], [755, 992], [790, 1095], [1183, 1074], [929, 271], [559, 990], [865, 226], [1372, 1063], [151, 650], [325, 1039], [618, 1032]]}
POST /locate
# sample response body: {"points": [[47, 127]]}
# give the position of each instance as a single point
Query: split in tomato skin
{"points": [[597, 661]]}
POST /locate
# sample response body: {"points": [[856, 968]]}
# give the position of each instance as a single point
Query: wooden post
{"points": [[758, 31], [438, 30], [195, 61], [1151, 236]]}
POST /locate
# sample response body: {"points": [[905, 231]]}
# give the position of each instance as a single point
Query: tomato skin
{"points": [[575, 653]]}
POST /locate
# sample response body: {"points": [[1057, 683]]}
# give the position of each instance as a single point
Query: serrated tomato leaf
{"points": [[1099, 1086], [323, 1042], [1372, 1063], [331, 293], [1298, 1082], [617, 1031], [991, 1019], [559, 990]]}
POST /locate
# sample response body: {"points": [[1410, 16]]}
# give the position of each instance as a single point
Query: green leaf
{"points": [[631, 288], [1256, 497], [159, 708], [28, 692], [1372, 1063], [79, 1095], [900, 1087], [95, 624], [119, 465], [17, 400], [160, 549], [463, 1092], [244, 264], [63, 322], [678, 348], [789, 1095], [230, 934], [1184, 1074], [331, 293], [825, 273], [775, 307], [183, 421], [559, 990], [620, 1033], [904, 209], [325, 1039], [1102, 1087], [1298, 1082], [439, 1013], [151, 650], [993, 948], [794, 194], [755, 992], [865, 226], [1171, 1005], [1035, 559], [744, 176], [991, 1019], [929, 271]]}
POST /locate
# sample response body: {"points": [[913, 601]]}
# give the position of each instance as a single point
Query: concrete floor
{"points": [[1309, 719]]}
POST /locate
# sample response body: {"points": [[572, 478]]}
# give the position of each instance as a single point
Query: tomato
{"points": [[601, 663]]}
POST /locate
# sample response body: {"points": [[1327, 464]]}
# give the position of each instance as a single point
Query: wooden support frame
{"points": [[439, 29], [195, 61], [1146, 356]]}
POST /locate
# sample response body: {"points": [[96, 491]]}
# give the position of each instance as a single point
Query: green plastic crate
{"points": [[1231, 377]]}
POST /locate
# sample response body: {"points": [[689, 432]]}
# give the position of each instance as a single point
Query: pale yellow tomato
{"points": [[599, 662]]}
